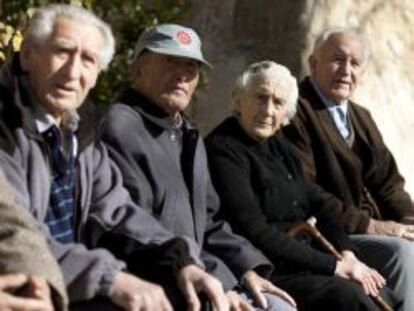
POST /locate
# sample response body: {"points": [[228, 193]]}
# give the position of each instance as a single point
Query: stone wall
{"points": [[238, 32]]}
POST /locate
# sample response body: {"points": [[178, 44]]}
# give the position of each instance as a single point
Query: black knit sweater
{"points": [[263, 193]]}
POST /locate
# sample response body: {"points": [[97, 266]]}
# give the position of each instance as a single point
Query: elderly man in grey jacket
{"points": [[63, 176], [163, 160]]}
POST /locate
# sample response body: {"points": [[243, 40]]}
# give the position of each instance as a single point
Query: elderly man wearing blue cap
{"points": [[163, 160]]}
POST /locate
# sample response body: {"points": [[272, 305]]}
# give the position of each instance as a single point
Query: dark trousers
{"points": [[97, 304], [318, 292]]}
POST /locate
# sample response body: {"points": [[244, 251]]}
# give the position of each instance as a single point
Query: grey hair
{"points": [[270, 70], [41, 27], [327, 33]]}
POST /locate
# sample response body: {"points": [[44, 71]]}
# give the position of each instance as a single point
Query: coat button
{"points": [[289, 177], [295, 203]]}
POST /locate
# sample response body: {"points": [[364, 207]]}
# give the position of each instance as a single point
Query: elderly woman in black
{"points": [[264, 193]]}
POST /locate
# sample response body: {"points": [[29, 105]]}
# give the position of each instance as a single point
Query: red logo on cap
{"points": [[183, 37]]}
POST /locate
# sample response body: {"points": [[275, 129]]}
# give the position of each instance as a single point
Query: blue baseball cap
{"points": [[170, 39]]}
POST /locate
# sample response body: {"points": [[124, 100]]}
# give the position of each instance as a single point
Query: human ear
{"points": [[137, 68], [236, 104]]}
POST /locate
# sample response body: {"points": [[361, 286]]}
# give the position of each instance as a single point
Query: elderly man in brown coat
{"points": [[29, 276], [344, 155]]}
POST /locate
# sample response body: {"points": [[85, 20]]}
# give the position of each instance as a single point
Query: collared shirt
{"points": [[338, 113], [44, 121], [62, 143]]}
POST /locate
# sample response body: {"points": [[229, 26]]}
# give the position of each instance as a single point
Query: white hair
{"points": [[327, 33], [269, 70], [41, 27]]}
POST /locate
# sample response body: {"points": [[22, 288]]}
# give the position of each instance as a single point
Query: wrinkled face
{"points": [[338, 65], [65, 67], [262, 107], [168, 81]]}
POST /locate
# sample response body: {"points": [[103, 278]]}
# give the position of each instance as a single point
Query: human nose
{"points": [[346, 67], [72, 67], [268, 107]]}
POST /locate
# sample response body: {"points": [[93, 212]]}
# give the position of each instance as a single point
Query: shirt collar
{"points": [[43, 120]]}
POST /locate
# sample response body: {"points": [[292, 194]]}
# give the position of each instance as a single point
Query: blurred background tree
{"points": [[126, 17]]}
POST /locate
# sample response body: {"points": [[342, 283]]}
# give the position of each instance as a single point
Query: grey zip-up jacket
{"points": [[103, 204], [175, 185]]}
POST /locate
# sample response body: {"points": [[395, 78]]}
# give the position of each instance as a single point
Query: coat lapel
{"points": [[323, 120]]}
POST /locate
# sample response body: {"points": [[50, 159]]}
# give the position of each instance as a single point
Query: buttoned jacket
{"points": [[357, 182]]}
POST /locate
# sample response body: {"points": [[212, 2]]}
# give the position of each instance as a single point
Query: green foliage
{"points": [[127, 18]]}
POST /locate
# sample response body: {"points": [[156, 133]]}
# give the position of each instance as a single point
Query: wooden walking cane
{"points": [[309, 227]]}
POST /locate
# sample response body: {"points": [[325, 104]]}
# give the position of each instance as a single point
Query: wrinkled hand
{"points": [[237, 303], [391, 228], [193, 280], [258, 285], [353, 269], [134, 294], [36, 296]]}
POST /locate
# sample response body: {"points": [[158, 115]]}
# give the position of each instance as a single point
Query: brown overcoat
{"points": [[358, 182], [23, 248]]}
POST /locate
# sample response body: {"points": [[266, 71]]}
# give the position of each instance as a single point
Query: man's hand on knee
{"points": [[237, 303], [391, 228], [132, 294], [193, 280], [257, 286]]}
